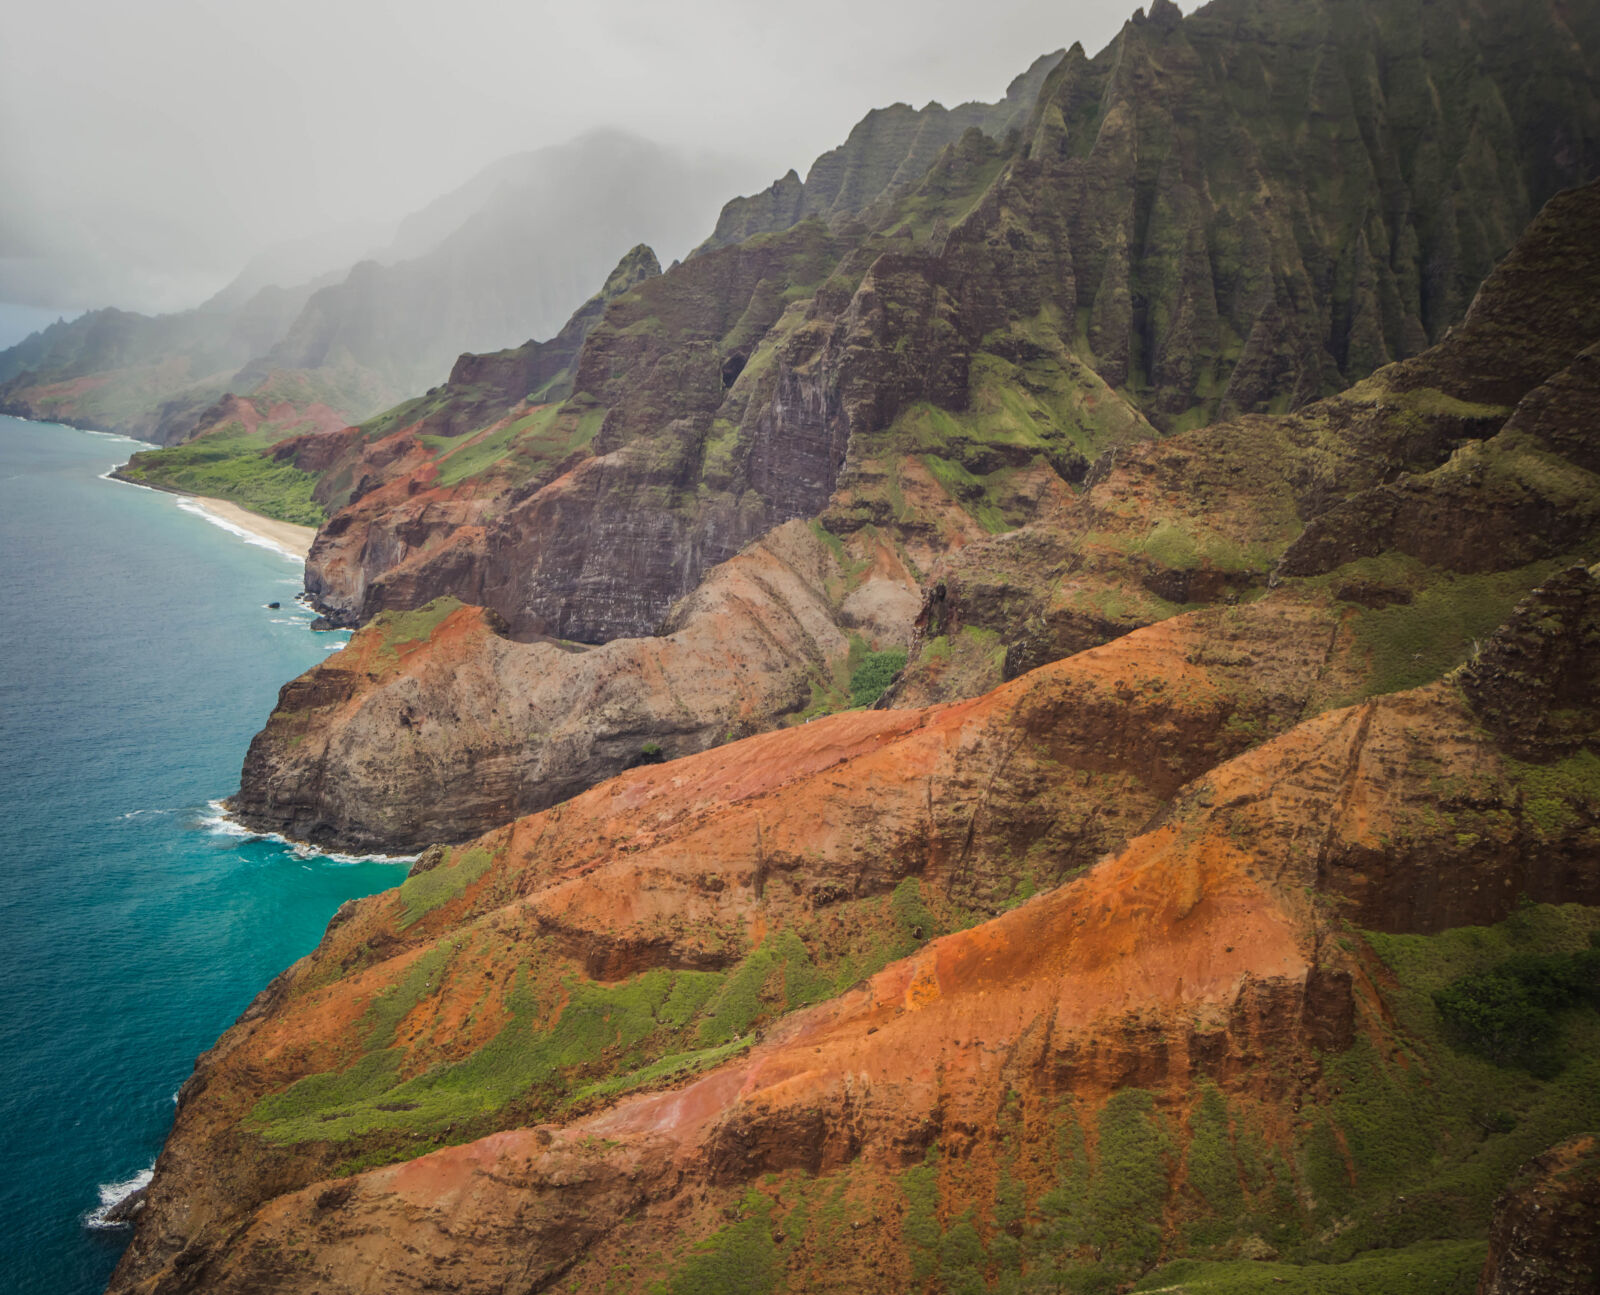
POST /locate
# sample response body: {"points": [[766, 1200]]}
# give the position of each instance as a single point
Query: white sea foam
{"points": [[248, 536], [113, 1194], [220, 823], [146, 813], [122, 481], [333, 647], [120, 438]]}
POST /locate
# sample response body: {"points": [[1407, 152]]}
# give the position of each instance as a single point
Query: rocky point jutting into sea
{"points": [[1027, 718]]}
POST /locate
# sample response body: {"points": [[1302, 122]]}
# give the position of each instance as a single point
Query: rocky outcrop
{"points": [[1546, 1238], [888, 150], [1533, 683], [494, 728]]}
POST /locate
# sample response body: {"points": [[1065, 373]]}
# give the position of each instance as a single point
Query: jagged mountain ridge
{"points": [[1201, 244], [887, 151], [1204, 517]]}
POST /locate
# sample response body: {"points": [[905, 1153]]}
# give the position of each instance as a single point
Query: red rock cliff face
{"points": [[1200, 950]]}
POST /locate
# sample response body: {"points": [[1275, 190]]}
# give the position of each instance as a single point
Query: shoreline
{"points": [[292, 538], [222, 822], [288, 538]]}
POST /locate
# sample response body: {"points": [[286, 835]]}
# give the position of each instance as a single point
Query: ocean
{"points": [[136, 660]]}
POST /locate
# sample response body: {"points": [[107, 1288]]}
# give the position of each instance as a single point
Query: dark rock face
{"points": [[480, 386], [888, 150], [1546, 1237], [1154, 164], [1223, 213], [1529, 344], [1536, 683], [1412, 461]]}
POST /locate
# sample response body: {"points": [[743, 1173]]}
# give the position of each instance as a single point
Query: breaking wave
{"points": [[112, 1195], [219, 822]]}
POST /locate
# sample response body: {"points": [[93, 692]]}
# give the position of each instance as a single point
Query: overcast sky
{"points": [[148, 149]]}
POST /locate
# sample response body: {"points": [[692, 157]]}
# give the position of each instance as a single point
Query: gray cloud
{"points": [[148, 150]]}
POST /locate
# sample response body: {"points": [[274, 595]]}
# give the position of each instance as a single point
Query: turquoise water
{"points": [[137, 658]]}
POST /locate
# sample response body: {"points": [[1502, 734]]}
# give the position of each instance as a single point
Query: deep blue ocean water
{"points": [[137, 658]]}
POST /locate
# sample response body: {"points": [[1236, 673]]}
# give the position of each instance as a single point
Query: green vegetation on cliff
{"points": [[568, 1039], [232, 464], [1387, 1185]]}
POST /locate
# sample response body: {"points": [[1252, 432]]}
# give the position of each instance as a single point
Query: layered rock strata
{"points": [[1204, 950]]}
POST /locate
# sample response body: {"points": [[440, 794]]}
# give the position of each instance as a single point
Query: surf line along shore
{"points": [[284, 535], [288, 538]]}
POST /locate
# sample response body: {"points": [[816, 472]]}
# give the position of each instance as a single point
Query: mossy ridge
{"points": [[411, 412], [1428, 1268], [420, 894], [370, 1098], [1048, 409], [570, 1040], [536, 440], [1182, 545], [397, 629], [1414, 642], [1408, 624]]}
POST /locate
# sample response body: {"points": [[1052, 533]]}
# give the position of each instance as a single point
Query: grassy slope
{"points": [[231, 463], [566, 1040], [1388, 1188]]}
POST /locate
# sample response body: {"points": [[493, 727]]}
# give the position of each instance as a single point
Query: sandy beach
{"points": [[285, 535]]}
